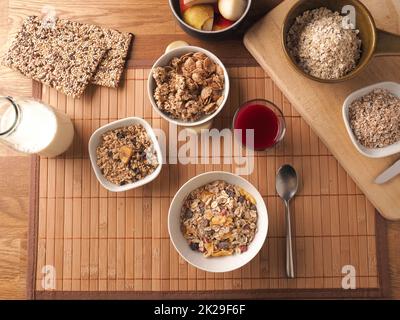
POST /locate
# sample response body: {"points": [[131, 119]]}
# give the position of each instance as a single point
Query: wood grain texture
{"points": [[321, 104], [13, 208]]}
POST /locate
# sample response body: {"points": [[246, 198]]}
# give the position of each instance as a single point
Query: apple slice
{"points": [[208, 25], [190, 3], [222, 23], [199, 16], [176, 44], [182, 6]]}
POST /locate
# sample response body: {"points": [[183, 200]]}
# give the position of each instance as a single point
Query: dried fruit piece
{"points": [[194, 246], [125, 154], [223, 245], [222, 253], [248, 196], [205, 196], [208, 214], [218, 220], [209, 249]]}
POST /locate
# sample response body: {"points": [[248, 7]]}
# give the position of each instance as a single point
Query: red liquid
{"points": [[264, 122]]}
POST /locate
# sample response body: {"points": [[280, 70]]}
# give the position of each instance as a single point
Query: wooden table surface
{"points": [[154, 27]]}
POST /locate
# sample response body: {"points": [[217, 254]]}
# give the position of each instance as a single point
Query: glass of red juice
{"points": [[265, 118]]}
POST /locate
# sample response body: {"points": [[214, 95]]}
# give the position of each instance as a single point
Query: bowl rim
{"points": [[172, 53], [352, 74], [262, 204], [204, 32], [113, 125], [368, 152]]}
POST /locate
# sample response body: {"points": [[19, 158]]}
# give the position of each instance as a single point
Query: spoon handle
{"points": [[289, 250]]}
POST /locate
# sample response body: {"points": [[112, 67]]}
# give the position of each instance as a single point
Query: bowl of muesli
{"points": [[188, 86], [125, 154], [218, 221]]}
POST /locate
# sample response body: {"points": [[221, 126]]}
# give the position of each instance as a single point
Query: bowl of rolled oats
{"points": [[372, 119], [333, 40], [188, 86], [125, 154], [218, 221]]}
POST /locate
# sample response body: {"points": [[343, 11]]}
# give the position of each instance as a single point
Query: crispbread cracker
{"points": [[64, 56], [111, 66], [70, 55]]}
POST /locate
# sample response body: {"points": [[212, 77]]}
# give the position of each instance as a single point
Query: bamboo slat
{"points": [[102, 241]]}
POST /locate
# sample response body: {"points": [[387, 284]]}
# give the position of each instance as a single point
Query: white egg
{"points": [[232, 9]]}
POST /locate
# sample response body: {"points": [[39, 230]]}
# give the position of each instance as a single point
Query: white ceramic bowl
{"points": [[370, 152], [95, 141], [165, 60], [216, 264]]}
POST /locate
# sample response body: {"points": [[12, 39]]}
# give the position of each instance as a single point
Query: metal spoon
{"points": [[286, 186]]}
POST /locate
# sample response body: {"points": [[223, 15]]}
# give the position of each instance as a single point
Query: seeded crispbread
{"points": [[64, 55], [111, 66]]}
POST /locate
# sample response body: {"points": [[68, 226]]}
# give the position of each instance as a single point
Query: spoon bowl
{"points": [[286, 182]]}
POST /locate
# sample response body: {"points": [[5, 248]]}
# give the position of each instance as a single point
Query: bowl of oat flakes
{"points": [[125, 154], [188, 86], [324, 44], [218, 221], [372, 119]]}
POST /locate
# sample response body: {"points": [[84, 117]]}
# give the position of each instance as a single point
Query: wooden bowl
{"points": [[375, 42]]}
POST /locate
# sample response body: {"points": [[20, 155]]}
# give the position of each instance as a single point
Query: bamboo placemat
{"points": [[107, 245]]}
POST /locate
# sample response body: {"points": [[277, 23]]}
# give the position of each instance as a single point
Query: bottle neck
{"points": [[8, 108]]}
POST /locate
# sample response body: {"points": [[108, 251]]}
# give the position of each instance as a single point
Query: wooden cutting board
{"points": [[321, 104]]}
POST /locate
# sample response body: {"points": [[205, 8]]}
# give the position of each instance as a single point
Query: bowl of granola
{"points": [[218, 221], [188, 86], [125, 154]]}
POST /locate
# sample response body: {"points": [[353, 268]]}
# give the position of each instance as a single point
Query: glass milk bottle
{"points": [[30, 126]]}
